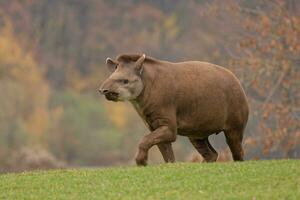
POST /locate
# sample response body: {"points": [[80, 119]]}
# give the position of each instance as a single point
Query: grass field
{"points": [[247, 180]]}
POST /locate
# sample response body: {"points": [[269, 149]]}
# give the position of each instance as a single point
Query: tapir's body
{"points": [[193, 99]]}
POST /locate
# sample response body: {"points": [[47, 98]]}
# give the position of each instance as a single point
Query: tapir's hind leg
{"points": [[166, 151], [205, 149], [234, 140]]}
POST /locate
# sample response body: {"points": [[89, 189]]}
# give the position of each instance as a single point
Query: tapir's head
{"points": [[125, 82]]}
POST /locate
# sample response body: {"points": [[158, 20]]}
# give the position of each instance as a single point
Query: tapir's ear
{"points": [[139, 64], [111, 64]]}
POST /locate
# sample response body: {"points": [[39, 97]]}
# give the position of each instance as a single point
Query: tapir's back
{"points": [[208, 98]]}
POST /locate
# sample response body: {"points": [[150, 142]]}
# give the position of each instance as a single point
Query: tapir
{"points": [[193, 99]]}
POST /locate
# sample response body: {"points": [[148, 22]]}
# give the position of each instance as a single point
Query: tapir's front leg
{"points": [[159, 135], [166, 150]]}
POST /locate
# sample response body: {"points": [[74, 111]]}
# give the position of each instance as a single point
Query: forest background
{"points": [[52, 61]]}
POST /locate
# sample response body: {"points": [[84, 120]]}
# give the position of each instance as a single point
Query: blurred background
{"points": [[52, 61]]}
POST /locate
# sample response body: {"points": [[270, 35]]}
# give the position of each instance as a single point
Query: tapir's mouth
{"points": [[112, 96]]}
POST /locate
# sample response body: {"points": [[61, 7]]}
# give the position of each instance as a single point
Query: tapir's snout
{"points": [[105, 87], [103, 91], [109, 95]]}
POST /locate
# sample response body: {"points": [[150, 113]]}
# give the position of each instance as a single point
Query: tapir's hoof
{"points": [[141, 162], [141, 158]]}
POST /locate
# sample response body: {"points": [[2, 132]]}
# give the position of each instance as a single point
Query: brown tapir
{"points": [[193, 99]]}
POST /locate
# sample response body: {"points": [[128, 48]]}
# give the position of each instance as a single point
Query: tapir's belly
{"points": [[201, 120], [199, 129]]}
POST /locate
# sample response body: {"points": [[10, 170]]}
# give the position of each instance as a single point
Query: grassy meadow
{"points": [[247, 180]]}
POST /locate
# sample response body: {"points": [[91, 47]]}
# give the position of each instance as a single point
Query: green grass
{"points": [[247, 180]]}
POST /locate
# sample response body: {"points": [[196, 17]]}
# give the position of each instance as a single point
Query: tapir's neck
{"points": [[148, 77]]}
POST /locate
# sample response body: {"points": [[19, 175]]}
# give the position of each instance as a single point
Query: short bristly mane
{"points": [[133, 58]]}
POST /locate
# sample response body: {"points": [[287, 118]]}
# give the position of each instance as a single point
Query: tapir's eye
{"points": [[124, 81]]}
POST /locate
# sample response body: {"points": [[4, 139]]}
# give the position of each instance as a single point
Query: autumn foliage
{"points": [[52, 57]]}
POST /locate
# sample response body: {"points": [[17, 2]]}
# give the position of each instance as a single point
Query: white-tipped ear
{"points": [[110, 61], [107, 60], [139, 64], [111, 64]]}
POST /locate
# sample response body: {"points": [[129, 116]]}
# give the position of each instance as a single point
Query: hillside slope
{"points": [[247, 180]]}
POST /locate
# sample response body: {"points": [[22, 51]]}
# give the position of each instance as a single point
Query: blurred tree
{"points": [[79, 132], [265, 52], [24, 90]]}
